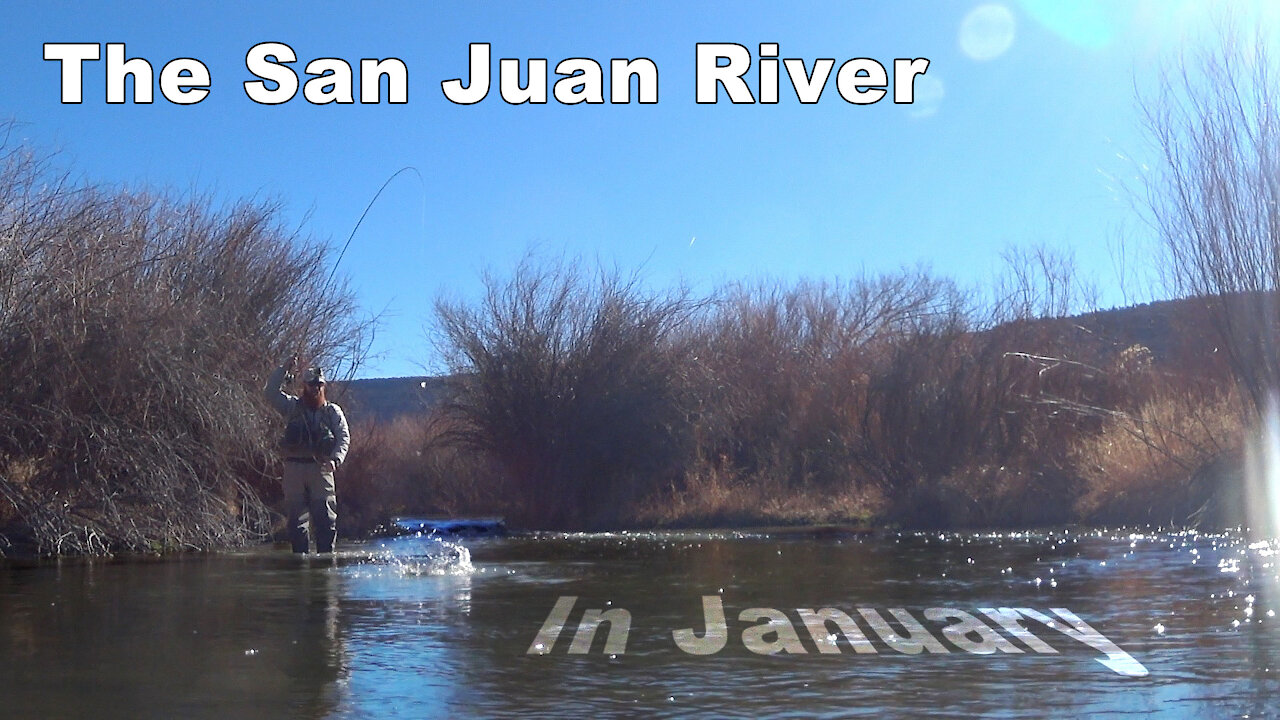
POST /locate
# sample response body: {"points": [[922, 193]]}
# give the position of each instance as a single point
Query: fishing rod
{"points": [[324, 289], [367, 208]]}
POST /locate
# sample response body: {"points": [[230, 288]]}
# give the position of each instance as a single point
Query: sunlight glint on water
{"points": [[417, 627]]}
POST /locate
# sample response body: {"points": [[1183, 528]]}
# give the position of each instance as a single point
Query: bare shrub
{"points": [[783, 374], [1214, 201], [570, 381], [1040, 282], [884, 382], [904, 391], [897, 397], [134, 330]]}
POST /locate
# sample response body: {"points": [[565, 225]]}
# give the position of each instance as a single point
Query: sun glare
{"points": [[1262, 476], [1150, 26], [1088, 23]]}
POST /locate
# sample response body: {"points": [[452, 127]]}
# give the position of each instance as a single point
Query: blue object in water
{"points": [[450, 526]]}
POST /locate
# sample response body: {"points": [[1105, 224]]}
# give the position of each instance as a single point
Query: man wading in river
{"points": [[314, 444]]}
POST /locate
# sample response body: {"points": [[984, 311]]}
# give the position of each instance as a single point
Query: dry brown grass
{"points": [[1142, 464], [717, 499]]}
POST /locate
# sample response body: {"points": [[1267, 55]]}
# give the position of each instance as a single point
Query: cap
{"points": [[315, 376]]}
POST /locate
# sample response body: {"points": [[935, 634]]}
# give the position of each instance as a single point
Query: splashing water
{"points": [[418, 554]]}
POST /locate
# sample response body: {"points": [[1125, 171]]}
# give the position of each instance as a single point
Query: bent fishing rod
{"points": [[324, 289]]}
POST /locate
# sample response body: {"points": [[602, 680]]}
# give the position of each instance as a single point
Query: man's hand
{"points": [[292, 363], [328, 466]]}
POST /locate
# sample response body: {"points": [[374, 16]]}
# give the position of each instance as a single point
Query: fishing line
{"points": [[369, 207], [324, 289]]}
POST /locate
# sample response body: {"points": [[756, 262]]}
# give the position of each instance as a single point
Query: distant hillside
{"points": [[1162, 325], [385, 399]]}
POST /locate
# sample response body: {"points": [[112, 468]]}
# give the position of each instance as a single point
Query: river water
{"points": [[417, 627]]}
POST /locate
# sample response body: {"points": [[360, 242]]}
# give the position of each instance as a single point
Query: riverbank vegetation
{"points": [[134, 332], [585, 401], [138, 329]]}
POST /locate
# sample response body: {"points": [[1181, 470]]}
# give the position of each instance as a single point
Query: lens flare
{"points": [[987, 32], [1262, 476]]}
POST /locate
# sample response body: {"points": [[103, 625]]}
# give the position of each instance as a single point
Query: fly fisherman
{"points": [[315, 442]]}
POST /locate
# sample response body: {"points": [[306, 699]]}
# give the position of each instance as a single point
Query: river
{"points": [[712, 624]]}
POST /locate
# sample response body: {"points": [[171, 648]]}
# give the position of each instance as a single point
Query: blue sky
{"points": [[1025, 131]]}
